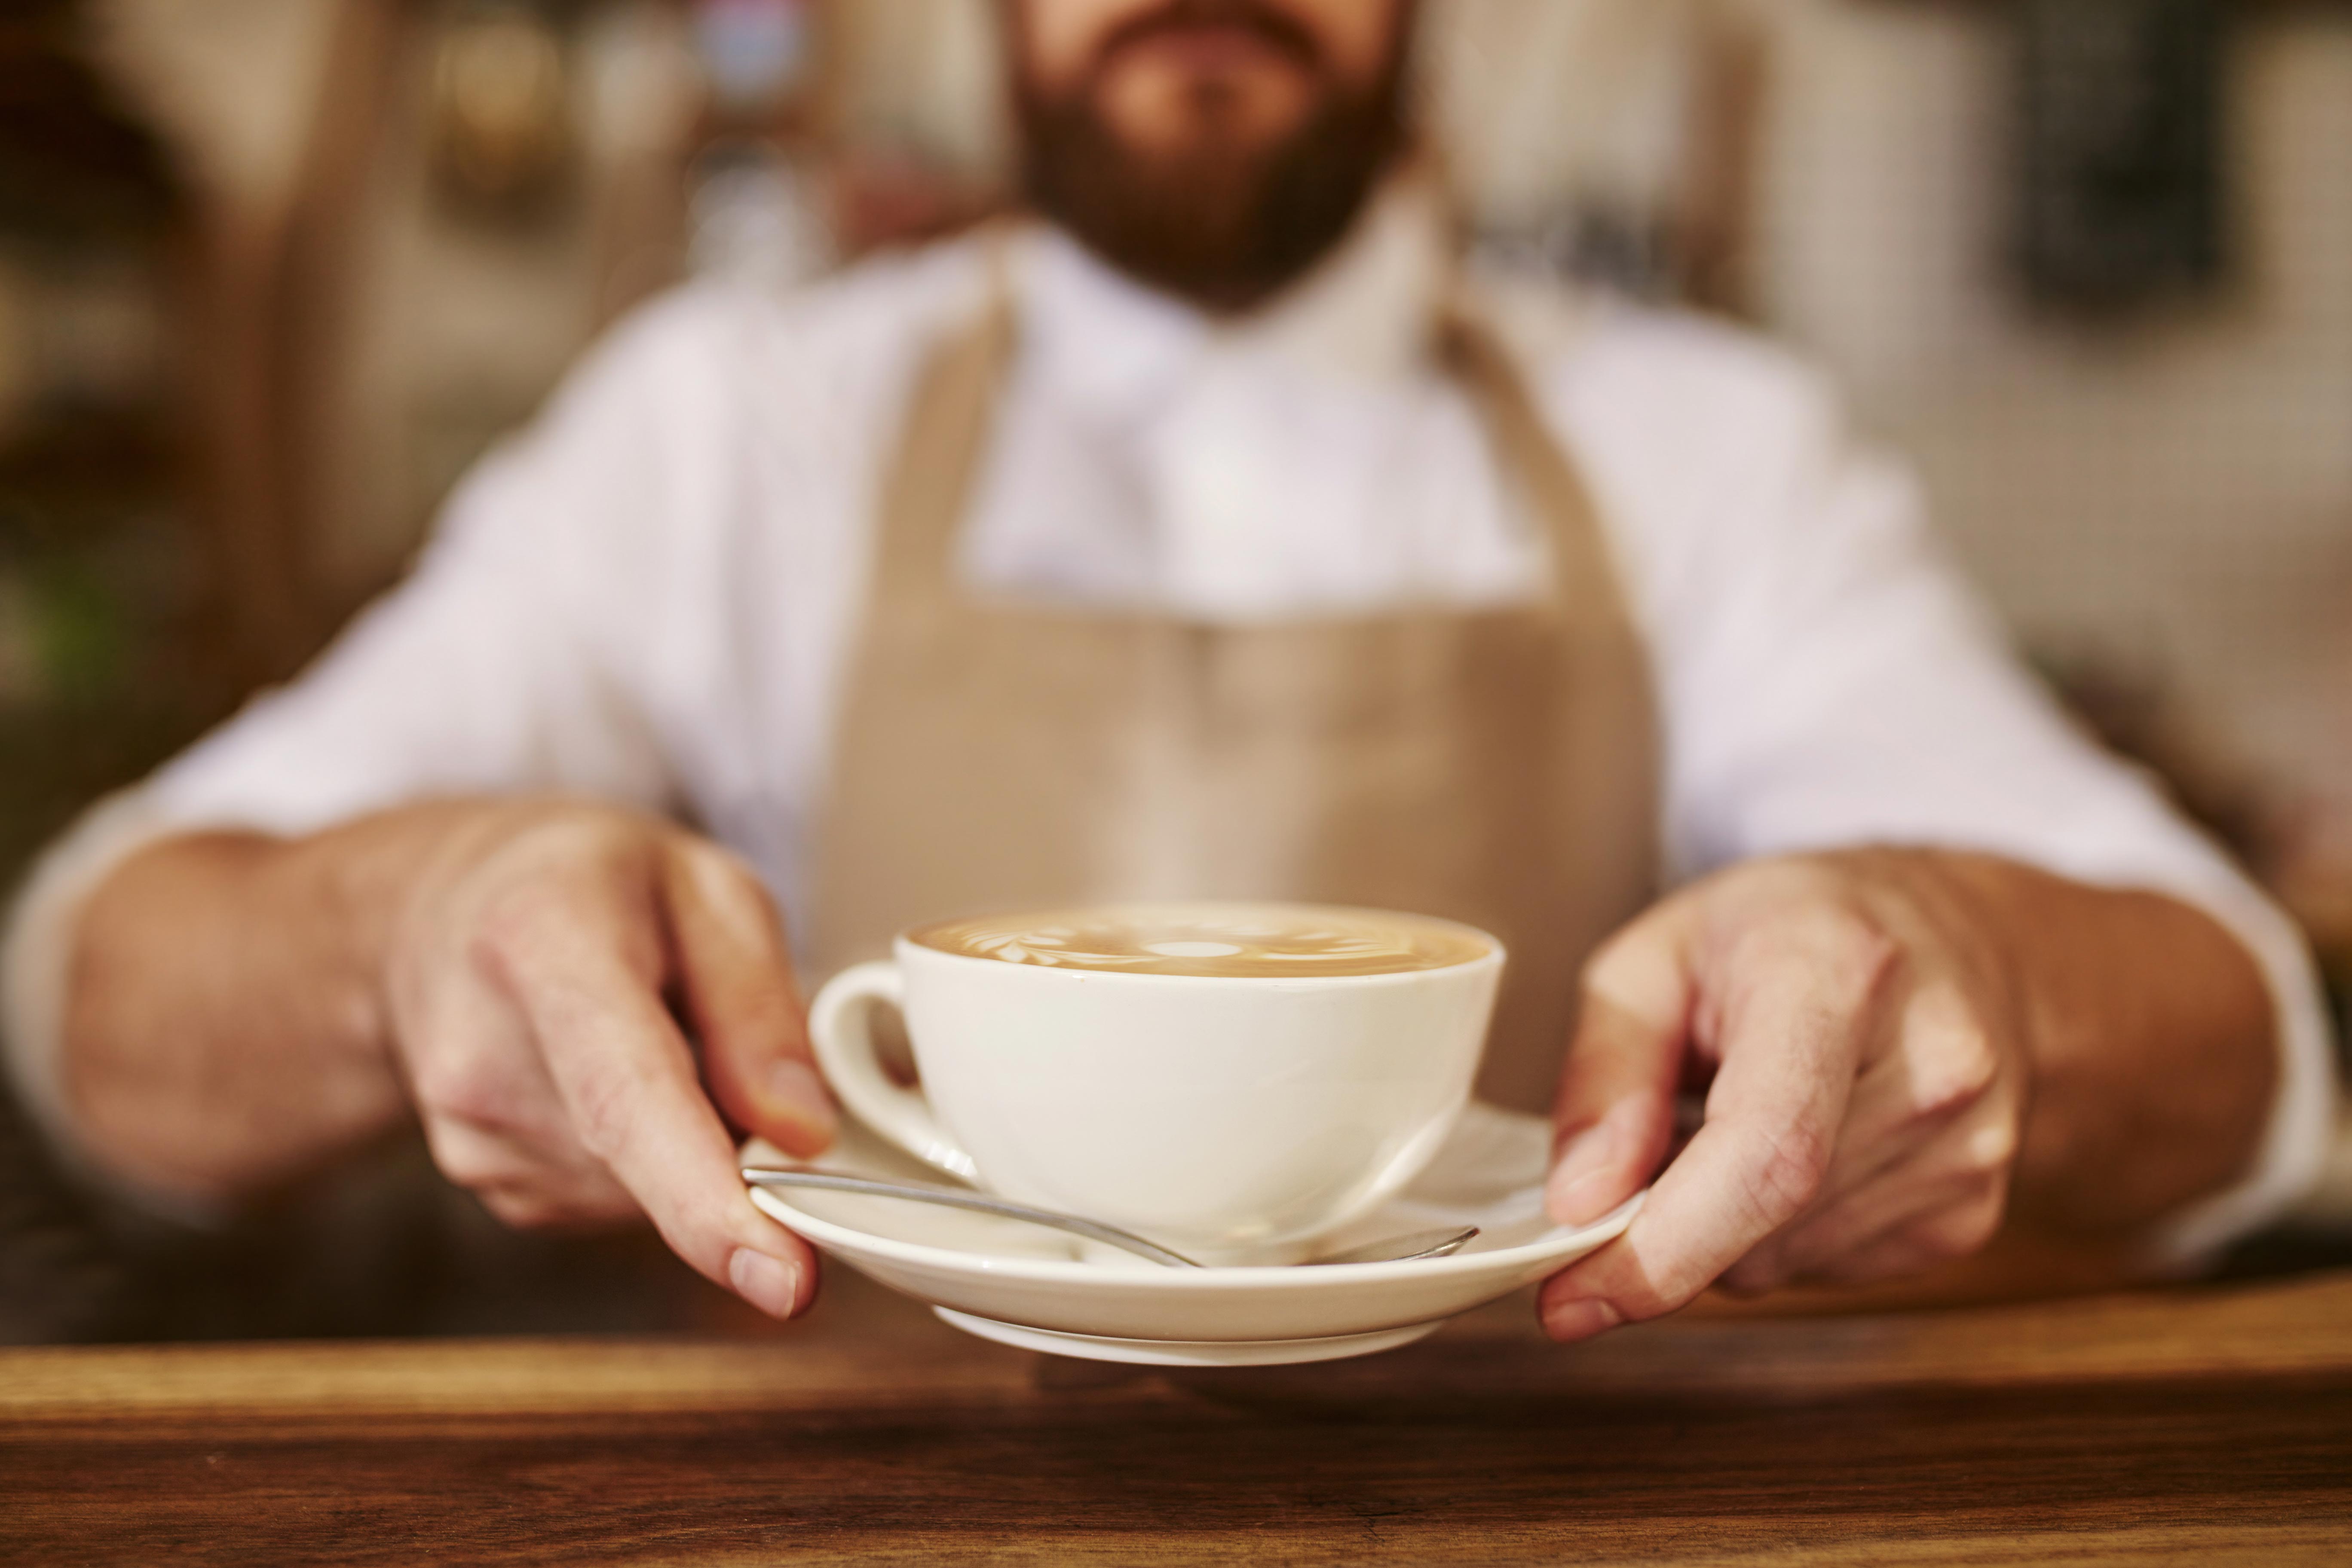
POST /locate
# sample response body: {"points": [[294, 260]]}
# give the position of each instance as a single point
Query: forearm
{"points": [[222, 1028], [2152, 1040]]}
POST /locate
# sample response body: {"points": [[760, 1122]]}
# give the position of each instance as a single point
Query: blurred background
{"points": [[274, 272]]}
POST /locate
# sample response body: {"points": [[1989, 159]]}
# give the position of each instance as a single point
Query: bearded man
{"points": [[1213, 533]]}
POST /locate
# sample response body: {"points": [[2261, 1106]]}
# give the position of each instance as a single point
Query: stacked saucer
{"points": [[1021, 1284]]}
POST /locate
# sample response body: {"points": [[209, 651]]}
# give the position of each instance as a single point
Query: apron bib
{"points": [[1494, 766]]}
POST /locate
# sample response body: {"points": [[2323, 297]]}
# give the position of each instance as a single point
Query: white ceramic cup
{"points": [[1229, 1117]]}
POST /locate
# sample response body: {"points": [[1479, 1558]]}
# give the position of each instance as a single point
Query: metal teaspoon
{"points": [[1394, 1249]]}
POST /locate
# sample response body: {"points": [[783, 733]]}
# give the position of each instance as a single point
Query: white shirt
{"points": [[649, 595]]}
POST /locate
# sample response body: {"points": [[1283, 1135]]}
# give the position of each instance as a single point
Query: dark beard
{"points": [[1223, 227]]}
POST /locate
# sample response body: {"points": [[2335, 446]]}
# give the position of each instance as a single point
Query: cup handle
{"points": [[841, 1028]]}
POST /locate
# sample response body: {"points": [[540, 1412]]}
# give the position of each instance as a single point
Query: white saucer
{"points": [[1019, 1284], [1186, 1353]]}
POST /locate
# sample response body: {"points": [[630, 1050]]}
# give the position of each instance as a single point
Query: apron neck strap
{"points": [[1530, 455], [943, 438]]}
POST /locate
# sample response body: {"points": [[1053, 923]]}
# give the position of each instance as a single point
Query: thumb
{"points": [[1614, 1118]]}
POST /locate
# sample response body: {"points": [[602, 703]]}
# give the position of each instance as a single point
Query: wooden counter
{"points": [[2208, 1424]]}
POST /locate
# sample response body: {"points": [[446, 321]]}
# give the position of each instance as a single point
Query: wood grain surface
{"points": [[2205, 1425]]}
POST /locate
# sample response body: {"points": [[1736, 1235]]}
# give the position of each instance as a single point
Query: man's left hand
{"points": [[1859, 1032]]}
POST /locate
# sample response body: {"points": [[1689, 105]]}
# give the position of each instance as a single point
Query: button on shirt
{"points": [[649, 596]]}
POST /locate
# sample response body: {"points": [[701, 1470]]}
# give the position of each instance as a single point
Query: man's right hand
{"points": [[528, 971]]}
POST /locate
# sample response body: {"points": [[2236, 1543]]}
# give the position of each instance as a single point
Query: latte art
{"points": [[1266, 941]]}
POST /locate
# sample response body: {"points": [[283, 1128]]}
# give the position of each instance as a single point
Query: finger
{"points": [[1615, 1113], [1965, 1169], [1825, 1248], [738, 978], [1939, 1067], [475, 1063], [493, 1119], [1931, 1115], [1931, 1241], [527, 1208], [524, 1185], [628, 1083], [1799, 1001]]}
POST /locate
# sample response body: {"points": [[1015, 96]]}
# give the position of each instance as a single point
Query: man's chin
{"points": [[1224, 218], [1203, 181], [1175, 146]]}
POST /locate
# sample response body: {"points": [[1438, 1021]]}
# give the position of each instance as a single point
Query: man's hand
{"points": [[1877, 1035], [527, 973], [526, 982]]}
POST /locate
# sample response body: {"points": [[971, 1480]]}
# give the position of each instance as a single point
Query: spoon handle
{"points": [[1443, 1242], [954, 1198]]}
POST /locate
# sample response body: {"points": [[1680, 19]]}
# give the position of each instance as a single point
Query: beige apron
{"points": [[1496, 766]]}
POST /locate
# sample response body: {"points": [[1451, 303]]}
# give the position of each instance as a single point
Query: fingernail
{"points": [[801, 1096], [1573, 1320], [1586, 1159], [768, 1283]]}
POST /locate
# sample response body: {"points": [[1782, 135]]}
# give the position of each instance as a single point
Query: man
{"points": [[1212, 536]]}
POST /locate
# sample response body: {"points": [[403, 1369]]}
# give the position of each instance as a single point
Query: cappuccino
{"points": [[1230, 941]]}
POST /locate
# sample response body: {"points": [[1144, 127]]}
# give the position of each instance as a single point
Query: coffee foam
{"points": [[1258, 940]]}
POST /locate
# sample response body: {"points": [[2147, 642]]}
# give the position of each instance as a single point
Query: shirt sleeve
{"points": [[1827, 679], [500, 666]]}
